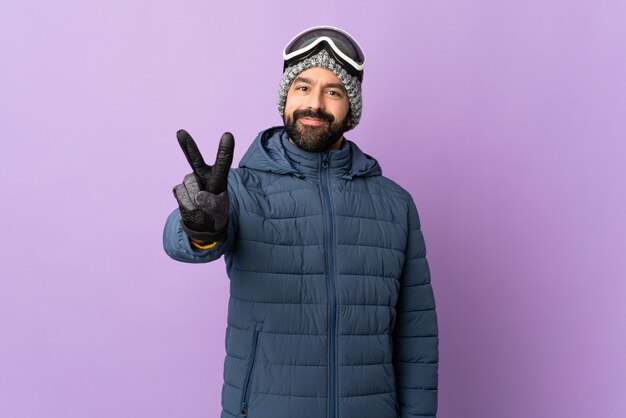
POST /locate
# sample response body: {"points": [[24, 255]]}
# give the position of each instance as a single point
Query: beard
{"points": [[315, 138]]}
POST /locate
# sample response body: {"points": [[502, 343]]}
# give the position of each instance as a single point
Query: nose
{"points": [[316, 100]]}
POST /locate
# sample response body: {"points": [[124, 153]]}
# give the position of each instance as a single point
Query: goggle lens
{"points": [[342, 41]]}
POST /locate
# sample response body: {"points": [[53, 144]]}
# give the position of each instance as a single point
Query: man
{"points": [[331, 310]]}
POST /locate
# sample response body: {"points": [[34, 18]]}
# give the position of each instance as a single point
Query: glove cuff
{"points": [[205, 235]]}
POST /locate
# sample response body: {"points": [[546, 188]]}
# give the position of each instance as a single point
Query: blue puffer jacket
{"points": [[331, 311]]}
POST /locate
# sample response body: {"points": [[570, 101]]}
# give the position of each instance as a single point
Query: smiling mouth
{"points": [[312, 121]]}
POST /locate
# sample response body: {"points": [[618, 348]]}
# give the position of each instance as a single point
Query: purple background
{"points": [[505, 119]]}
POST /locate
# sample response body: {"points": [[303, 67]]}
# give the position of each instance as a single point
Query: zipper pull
{"points": [[325, 161], [244, 409]]}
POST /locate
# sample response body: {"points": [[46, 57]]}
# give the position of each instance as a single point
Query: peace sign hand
{"points": [[213, 179], [203, 195]]}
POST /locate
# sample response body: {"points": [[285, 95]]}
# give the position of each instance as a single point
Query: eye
{"points": [[302, 88], [334, 93]]}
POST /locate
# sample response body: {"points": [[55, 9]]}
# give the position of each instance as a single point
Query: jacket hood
{"points": [[272, 151]]}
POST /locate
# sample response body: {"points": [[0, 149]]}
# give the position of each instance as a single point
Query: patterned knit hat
{"points": [[323, 59]]}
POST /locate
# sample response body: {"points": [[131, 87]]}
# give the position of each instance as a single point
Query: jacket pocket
{"points": [[395, 385], [245, 391]]}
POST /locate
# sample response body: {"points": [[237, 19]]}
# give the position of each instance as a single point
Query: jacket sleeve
{"points": [[176, 242], [415, 335]]}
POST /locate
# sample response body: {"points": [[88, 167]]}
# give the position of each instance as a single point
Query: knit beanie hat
{"points": [[324, 60]]}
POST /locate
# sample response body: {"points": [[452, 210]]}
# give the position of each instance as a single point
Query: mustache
{"points": [[310, 113]]}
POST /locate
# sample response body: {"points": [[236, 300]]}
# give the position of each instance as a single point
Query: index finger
{"points": [[191, 151]]}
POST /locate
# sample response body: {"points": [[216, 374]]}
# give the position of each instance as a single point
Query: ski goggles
{"points": [[337, 42]]}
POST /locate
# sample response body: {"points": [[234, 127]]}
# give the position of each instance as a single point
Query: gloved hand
{"points": [[203, 195]]}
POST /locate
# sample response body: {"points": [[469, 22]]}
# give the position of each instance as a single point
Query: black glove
{"points": [[203, 195]]}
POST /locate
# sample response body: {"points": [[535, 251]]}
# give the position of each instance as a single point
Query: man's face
{"points": [[316, 110]]}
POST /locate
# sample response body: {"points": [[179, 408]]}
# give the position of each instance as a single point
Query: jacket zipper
{"points": [[330, 254], [245, 391]]}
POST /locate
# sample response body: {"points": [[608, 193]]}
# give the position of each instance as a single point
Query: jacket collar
{"points": [[273, 152]]}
